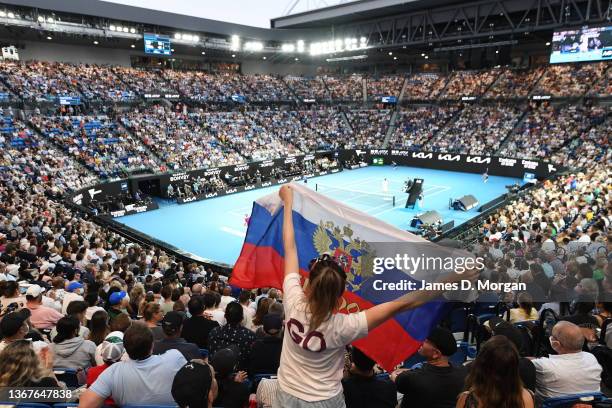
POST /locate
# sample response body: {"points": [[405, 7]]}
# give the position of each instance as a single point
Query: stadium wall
{"points": [[265, 67], [49, 51]]}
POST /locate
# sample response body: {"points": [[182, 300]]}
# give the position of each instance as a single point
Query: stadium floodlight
{"points": [[119, 28], [49, 37], [11, 15], [253, 46], [133, 46], [96, 42], [422, 54], [50, 20], [300, 46], [125, 29], [288, 48], [2, 13], [172, 49], [177, 36], [427, 57], [41, 19], [133, 30], [547, 43], [395, 58], [390, 53], [297, 59], [112, 27], [203, 52], [235, 46], [196, 38], [233, 55], [265, 58]]}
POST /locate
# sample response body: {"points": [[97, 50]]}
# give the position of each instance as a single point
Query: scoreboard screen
{"points": [[157, 44], [585, 44]]}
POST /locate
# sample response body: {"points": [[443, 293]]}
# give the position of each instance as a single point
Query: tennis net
{"points": [[360, 196]]}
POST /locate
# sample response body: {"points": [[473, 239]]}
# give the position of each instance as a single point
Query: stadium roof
{"points": [[354, 11], [97, 8]]}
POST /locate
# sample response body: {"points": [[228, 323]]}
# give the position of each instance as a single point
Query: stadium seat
{"points": [[67, 376], [568, 400]]}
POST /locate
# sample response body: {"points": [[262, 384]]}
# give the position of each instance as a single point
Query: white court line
{"points": [[232, 231]]}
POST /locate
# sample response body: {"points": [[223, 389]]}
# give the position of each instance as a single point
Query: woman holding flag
{"points": [[312, 356]]}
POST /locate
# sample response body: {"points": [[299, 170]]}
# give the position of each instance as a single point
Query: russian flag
{"points": [[323, 225]]}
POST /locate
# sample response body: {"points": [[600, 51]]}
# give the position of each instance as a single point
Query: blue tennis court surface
{"points": [[215, 228]]}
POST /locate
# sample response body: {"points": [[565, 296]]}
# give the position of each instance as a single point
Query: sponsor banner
{"points": [[497, 166], [541, 97], [134, 209]]}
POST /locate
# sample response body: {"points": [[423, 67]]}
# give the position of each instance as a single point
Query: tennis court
{"points": [[214, 229]]}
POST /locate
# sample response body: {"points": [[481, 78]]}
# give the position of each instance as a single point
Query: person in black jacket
{"points": [[171, 325], [265, 357], [436, 384], [197, 328], [362, 389]]}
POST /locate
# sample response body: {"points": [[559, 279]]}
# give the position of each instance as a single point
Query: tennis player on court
{"points": [[312, 357]]}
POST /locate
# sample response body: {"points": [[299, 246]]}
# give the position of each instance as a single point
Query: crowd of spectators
{"points": [[389, 85], [477, 130], [323, 129], [424, 86], [98, 82], [590, 147], [101, 144], [547, 128], [38, 81], [264, 87], [345, 88], [205, 87], [369, 127], [602, 86], [515, 83], [570, 79], [468, 83], [416, 126], [308, 88], [180, 140], [143, 81]]}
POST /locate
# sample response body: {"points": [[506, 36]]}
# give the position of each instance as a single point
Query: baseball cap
{"points": [[443, 340], [12, 322], [34, 291], [116, 297], [74, 286], [111, 351], [272, 323], [191, 385], [172, 321], [224, 361]]}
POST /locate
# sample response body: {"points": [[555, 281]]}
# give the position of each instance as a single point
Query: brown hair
{"points": [[325, 286], [525, 302], [19, 365], [494, 376], [262, 309], [149, 310]]}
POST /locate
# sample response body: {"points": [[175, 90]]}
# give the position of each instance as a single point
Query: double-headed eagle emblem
{"points": [[354, 255]]}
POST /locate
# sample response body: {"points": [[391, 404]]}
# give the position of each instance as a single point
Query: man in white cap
{"points": [[43, 317]]}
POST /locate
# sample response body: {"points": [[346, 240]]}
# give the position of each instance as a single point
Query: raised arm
{"points": [[291, 257], [378, 314]]}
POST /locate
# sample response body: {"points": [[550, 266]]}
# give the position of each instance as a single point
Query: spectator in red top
{"points": [[111, 353]]}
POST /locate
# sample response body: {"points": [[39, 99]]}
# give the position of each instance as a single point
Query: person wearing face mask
{"points": [[13, 327], [571, 370]]}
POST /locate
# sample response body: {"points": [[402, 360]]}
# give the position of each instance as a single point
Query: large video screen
{"points": [[157, 44], [586, 44]]}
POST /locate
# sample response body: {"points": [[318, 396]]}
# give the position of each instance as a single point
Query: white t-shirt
{"points": [[312, 362], [565, 374]]}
